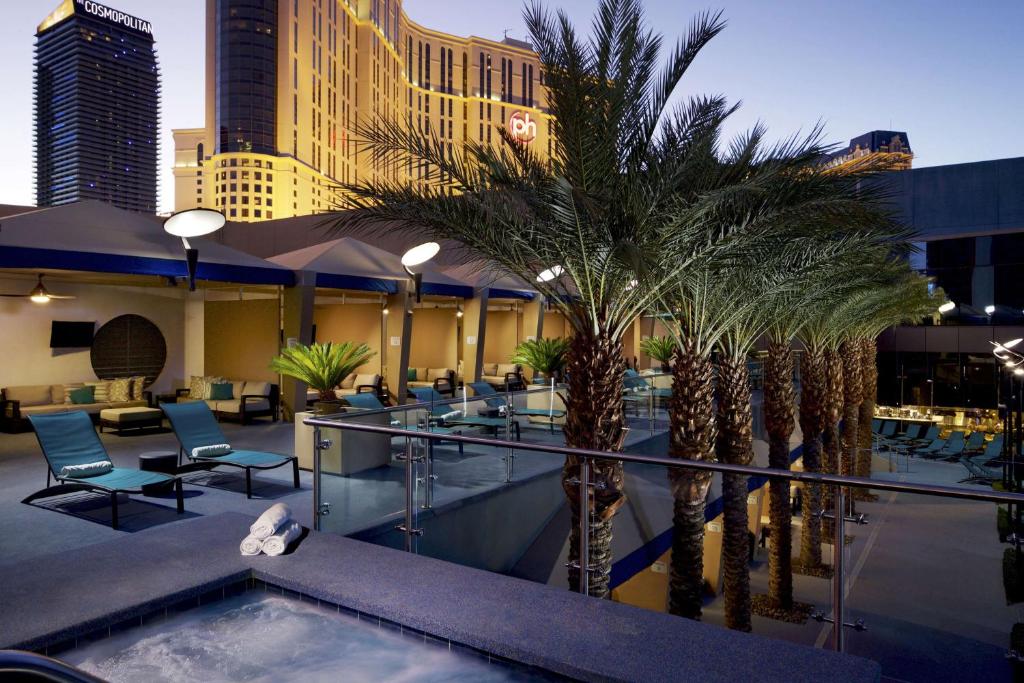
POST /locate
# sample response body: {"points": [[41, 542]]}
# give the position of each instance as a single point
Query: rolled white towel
{"points": [[454, 415], [267, 524], [211, 451], [90, 469], [251, 545], [276, 544]]}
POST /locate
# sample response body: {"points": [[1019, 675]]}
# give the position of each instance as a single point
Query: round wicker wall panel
{"points": [[129, 346]]}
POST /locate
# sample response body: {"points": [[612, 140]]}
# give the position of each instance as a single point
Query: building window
{"points": [[234, 212]]}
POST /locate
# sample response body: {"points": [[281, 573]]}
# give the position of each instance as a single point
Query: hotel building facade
{"points": [[287, 81], [97, 105]]}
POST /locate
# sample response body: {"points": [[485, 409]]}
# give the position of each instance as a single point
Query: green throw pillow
{"points": [[83, 395], [221, 391], [410, 375]]}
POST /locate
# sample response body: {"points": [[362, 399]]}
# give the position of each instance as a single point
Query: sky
{"points": [[948, 72]]}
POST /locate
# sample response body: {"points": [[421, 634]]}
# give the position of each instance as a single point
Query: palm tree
{"points": [[322, 367], [661, 349], [589, 220], [545, 356]]}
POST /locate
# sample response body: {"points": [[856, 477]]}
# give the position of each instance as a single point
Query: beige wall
{"points": [[555, 325], [357, 323], [434, 338], [241, 338], [25, 329], [502, 336]]}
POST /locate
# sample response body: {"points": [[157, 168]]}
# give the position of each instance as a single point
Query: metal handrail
{"points": [[29, 666], [586, 455], [748, 470]]}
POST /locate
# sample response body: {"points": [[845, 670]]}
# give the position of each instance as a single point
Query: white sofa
{"points": [[441, 379], [497, 374], [249, 399]]}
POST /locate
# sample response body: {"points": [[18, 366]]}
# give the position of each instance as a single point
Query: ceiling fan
{"points": [[39, 294]]}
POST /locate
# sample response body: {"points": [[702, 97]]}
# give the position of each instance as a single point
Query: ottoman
{"points": [[159, 461], [120, 419]]}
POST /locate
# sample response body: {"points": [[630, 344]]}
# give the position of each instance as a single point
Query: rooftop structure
{"points": [[893, 147]]}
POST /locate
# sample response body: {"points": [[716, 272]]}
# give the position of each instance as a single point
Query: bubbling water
{"points": [[267, 638]]}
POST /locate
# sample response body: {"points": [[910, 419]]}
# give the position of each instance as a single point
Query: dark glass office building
{"points": [[97, 101], [246, 76]]}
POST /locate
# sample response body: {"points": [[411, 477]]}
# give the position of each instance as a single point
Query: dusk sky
{"points": [[949, 72]]}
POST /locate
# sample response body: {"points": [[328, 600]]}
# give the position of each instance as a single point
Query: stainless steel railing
{"points": [[838, 514]]}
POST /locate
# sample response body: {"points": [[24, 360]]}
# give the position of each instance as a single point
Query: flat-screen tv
{"points": [[71, 335]]}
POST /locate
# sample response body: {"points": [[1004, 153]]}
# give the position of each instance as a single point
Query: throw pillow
{"points": [[138, 386], [120, 390], [101, 393], [83, 395], [221, 391], [195, 388], [410, 376], [68, 388]]}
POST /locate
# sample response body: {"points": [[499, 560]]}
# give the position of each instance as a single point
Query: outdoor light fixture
{"points": [[1010, 359], [417, 256], [550, 274], [947, 307], [990, 309], [193, 223]]}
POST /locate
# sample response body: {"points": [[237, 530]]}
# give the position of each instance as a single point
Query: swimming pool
{"points": [[263, 637]]}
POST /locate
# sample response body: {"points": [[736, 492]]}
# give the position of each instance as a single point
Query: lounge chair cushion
{"points": [[506, 368], [68, 439], [126, 479], [489, 369], [250, 458], [33, 395], [256, 389], [437, 373]]}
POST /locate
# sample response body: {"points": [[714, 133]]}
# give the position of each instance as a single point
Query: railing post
{"points": [[838, 572], [316, 478], [428, 474], [585, 526], [409, 527], [510, 454]]}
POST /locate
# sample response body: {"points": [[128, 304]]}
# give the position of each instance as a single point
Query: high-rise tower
{"points": [[97, 100], [288, 80]]}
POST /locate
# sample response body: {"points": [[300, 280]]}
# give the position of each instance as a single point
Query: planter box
{"points": [[350, 452]]}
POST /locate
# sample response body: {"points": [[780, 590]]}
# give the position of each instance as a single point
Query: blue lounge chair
{"points": [[70, 439], [195, 426], [913, 432], [934, 447], [976, 441], [929, 436], [495, 401], [952, 450], [437, 412], [979, 466], [888, 429], [876, 425]]}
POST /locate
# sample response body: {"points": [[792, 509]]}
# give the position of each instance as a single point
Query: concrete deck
{"points": [[54, 598]]}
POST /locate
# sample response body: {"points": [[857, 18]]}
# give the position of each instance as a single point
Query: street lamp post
{"points": [[417, 256]]}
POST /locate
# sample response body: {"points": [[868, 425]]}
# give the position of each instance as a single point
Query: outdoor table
{"points": [[159, 461]]}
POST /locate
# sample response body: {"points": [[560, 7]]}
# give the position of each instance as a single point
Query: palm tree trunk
{"points": [[812, 423], [735, 445], [869, 393], [850, 354], [779, 399], [594, 420], [691, 437], [831, 442]]}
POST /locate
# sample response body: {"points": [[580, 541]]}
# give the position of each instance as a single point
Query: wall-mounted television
{"points": [[71, 335]]}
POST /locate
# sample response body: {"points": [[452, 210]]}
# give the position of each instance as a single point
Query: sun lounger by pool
{"points": [[934, 447], [494, 401], [979, 467], [68, 439], [976, 441], [196, 427], [952, 449]]}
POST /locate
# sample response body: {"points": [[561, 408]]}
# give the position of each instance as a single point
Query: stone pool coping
{"points": [[51, 600]]}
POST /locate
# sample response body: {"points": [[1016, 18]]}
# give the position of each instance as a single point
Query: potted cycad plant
{"points": [[546, 356], [322, 367], [660, 349]]}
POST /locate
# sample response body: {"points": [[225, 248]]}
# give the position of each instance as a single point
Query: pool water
{"points": [[263, 637]]}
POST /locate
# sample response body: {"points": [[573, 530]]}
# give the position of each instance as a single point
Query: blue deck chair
{"points": [[929, 436], [70, 439], [913, 432], [979, 467], [934, 447], [889, 429], [431, 395], [976, 441], [876, 425], [495, 401], [952, 450], [195, 426]]}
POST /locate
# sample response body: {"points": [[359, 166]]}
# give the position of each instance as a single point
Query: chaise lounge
{"points": [[68, 440], [197, 429]]}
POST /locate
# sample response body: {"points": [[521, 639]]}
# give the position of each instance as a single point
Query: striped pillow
{"points": [[121, 390], [102, 392]]}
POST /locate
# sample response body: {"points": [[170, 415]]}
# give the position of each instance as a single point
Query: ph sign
{"points": [[522, 127]]}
